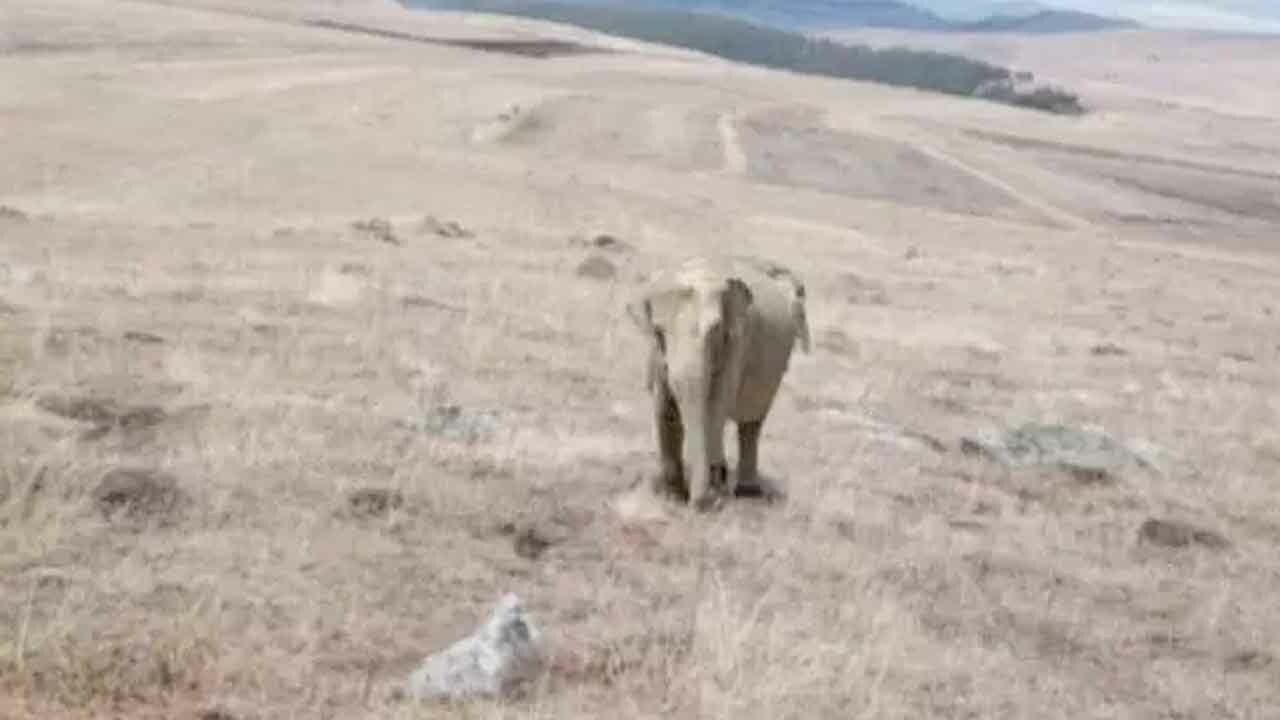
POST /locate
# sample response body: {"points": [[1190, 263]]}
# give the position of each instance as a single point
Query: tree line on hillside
{"points": [[745, 42]]}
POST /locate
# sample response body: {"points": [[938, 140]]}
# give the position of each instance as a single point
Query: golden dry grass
{"points": [[183, 289]]}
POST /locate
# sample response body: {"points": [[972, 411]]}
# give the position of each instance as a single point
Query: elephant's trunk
{"points": [[703, 405]]}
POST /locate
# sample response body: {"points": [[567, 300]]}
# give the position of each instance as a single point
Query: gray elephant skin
{"points": [[720, 333]]}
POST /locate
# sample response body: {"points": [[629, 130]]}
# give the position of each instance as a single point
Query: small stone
{"points": [[136, 493], [1107, 350], [605, 241], [1247, 660], [143, 337], [12, 214], [1178, 534], [374, 501], [443, 228], [452, 421], [1087, 474], [378, 228], [529, 544]]}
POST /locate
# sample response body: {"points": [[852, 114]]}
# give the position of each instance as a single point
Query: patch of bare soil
{"points": [[1103, 153], [103, 413], [533, 48], [793, 149]]}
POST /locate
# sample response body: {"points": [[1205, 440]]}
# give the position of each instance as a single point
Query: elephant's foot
{"points": [[718, 480], [669, 482], [757, 488], [717, 490]]}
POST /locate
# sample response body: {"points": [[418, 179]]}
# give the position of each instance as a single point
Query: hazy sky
{"points": [[1259, 15], [1219, 14]]}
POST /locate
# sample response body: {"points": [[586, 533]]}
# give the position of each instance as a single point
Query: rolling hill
{"points": [[833, 14], [313, 344], [1044, 21]]}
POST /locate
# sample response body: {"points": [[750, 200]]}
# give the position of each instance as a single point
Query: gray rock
{"points": [[1178, 534], [138, 494], [491, 662], [1108, 349], [455, 422], [13, 214], [378, 228], [372, 502], [1081, 451], [432, 225], [604, 241]]}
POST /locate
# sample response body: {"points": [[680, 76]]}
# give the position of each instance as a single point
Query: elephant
{"points": [[721, 332]]}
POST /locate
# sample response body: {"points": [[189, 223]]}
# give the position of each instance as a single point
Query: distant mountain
{"points": [[973, 10], [1046, 21], [802, 14], [818, 15]]}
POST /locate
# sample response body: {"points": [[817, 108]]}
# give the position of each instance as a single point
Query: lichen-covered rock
{"points": [[491, 662], [1084, 452]]}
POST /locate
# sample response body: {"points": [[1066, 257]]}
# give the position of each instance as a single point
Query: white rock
{"points": [[490, 662]]}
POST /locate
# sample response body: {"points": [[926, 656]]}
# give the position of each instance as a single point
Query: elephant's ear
{"points": [[638, 311], [799, 315], [653, 313], [661, 305]]}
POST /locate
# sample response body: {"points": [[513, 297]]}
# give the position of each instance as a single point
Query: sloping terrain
{"points": [[1211, 78], [299, 372]]}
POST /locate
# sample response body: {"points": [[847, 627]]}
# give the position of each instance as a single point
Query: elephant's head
{"points": [[697, 324]]}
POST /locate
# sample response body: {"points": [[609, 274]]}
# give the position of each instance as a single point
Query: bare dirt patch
{"points": [[533, 48], [103, 413], [795, 149]]}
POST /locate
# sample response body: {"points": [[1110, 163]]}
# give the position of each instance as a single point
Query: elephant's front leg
{"points": [[670, 429], [748, 474]]}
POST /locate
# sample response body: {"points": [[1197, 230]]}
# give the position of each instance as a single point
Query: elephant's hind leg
{"points": [[670, 442], [748, 475]]}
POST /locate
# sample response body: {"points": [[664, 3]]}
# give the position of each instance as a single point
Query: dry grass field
{"points": [[299, 372]]}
